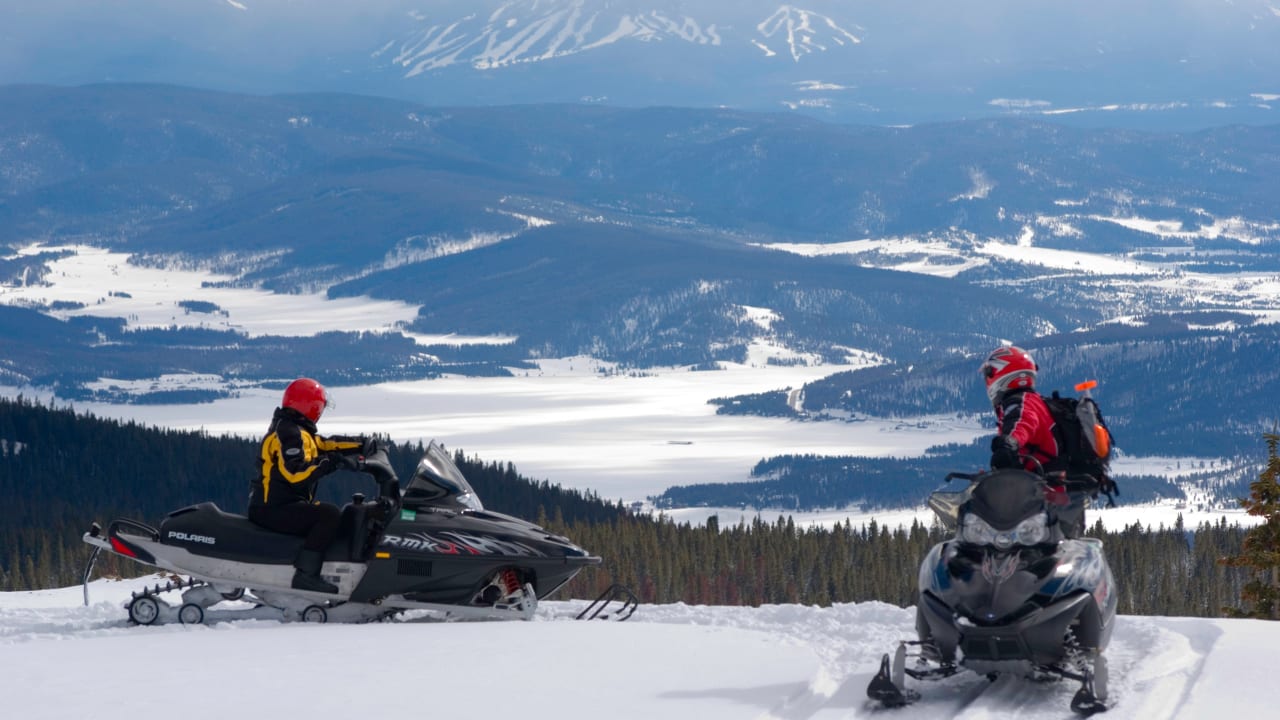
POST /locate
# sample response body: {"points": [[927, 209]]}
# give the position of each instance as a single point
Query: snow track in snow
{"points": [[776, 662]]}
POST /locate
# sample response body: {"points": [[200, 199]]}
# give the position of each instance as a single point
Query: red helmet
{"points": [[1008, 368], [307, 397]]}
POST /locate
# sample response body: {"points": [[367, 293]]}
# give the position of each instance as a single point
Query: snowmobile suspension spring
{"points": [[510, 581], [176, 583]]}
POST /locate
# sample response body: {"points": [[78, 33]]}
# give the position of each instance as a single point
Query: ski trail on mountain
{"points": [[1155, 665], [33, 624], [1011, 696]]}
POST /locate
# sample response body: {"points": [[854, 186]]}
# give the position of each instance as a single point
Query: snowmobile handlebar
{"points": [[378, 466], [976, 476], [376, 462], [1081, 482], [143, 529]]}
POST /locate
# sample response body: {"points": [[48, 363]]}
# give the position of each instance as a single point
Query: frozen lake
{"points": [[628, 438], [624, 437]]}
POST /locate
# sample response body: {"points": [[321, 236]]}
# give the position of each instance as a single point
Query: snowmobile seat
{"points": [[207, 530], [204, 529]]}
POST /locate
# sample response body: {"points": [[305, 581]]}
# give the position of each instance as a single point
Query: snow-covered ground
{"points": [[781, 662], [1256, 293], [1151, 515], [1165, 513], [107, 285]]}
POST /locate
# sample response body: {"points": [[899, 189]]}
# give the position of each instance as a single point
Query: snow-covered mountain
{"points": [[1176, 62], [782, 662], [531, 31]]}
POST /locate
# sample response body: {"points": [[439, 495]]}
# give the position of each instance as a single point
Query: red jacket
{"points": [[1023, 416]]}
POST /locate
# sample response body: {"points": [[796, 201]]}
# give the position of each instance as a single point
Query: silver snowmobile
{"points": [[1010, 593], [433, 547]]}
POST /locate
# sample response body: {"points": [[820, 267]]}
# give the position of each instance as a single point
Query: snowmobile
{"points": [[431, 547], [1010, 593]]}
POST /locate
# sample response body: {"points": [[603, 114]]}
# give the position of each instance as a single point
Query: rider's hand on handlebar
{"points": [[355, 463], [1004, 452]]}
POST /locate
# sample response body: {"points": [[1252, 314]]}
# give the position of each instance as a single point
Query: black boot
{"points": [[308, 575]]}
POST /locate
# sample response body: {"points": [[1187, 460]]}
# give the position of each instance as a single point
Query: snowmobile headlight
{"points": [[976, 531], [1032, 531]]}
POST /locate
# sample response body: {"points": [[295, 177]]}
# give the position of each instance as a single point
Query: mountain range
{"points": [[1170, 64]]}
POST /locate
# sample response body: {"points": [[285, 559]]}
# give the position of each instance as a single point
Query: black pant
{"points": [[318, 522]]}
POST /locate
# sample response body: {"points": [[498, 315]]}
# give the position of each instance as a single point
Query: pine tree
{"points": [[1260, 551]]}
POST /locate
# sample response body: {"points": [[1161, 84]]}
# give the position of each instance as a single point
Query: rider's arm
{"points": [[300, 456]]}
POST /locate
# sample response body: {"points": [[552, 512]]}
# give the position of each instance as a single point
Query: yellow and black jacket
{"points": [[294, 458]]}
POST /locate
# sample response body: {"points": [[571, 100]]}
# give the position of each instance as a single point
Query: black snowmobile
{"points": [[1010, 593], [433, 547]]}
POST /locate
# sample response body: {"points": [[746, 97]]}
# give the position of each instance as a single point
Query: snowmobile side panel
{"points": [[940, 621]]}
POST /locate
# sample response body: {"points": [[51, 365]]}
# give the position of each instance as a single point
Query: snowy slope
{"points": [[63, 660], [536, 30]]}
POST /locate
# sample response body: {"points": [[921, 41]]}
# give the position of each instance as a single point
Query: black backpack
{"points": [[1084, 441]]}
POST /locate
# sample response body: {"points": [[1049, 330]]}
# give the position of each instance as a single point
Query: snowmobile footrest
{"points": [[883, 690]]}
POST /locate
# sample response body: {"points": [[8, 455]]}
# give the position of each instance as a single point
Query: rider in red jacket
{"points": [[1025, 426]]}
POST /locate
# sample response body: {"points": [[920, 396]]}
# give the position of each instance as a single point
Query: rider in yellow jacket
{"points": [[294, 458]]}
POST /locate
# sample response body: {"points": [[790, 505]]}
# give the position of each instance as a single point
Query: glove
{"points": [[354, 463], [1004, 452], [1056, 495]]}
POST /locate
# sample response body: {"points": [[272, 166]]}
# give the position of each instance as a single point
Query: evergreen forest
{"points": [[60, 471]]}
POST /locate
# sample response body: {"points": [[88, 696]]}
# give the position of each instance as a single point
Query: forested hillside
{"points": [[60, 471], [1177, 386], [1160, 571]]}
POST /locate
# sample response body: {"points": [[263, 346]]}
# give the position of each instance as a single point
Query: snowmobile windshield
{"points": [[1005, 498], [1007, 508], [437, 480]]}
